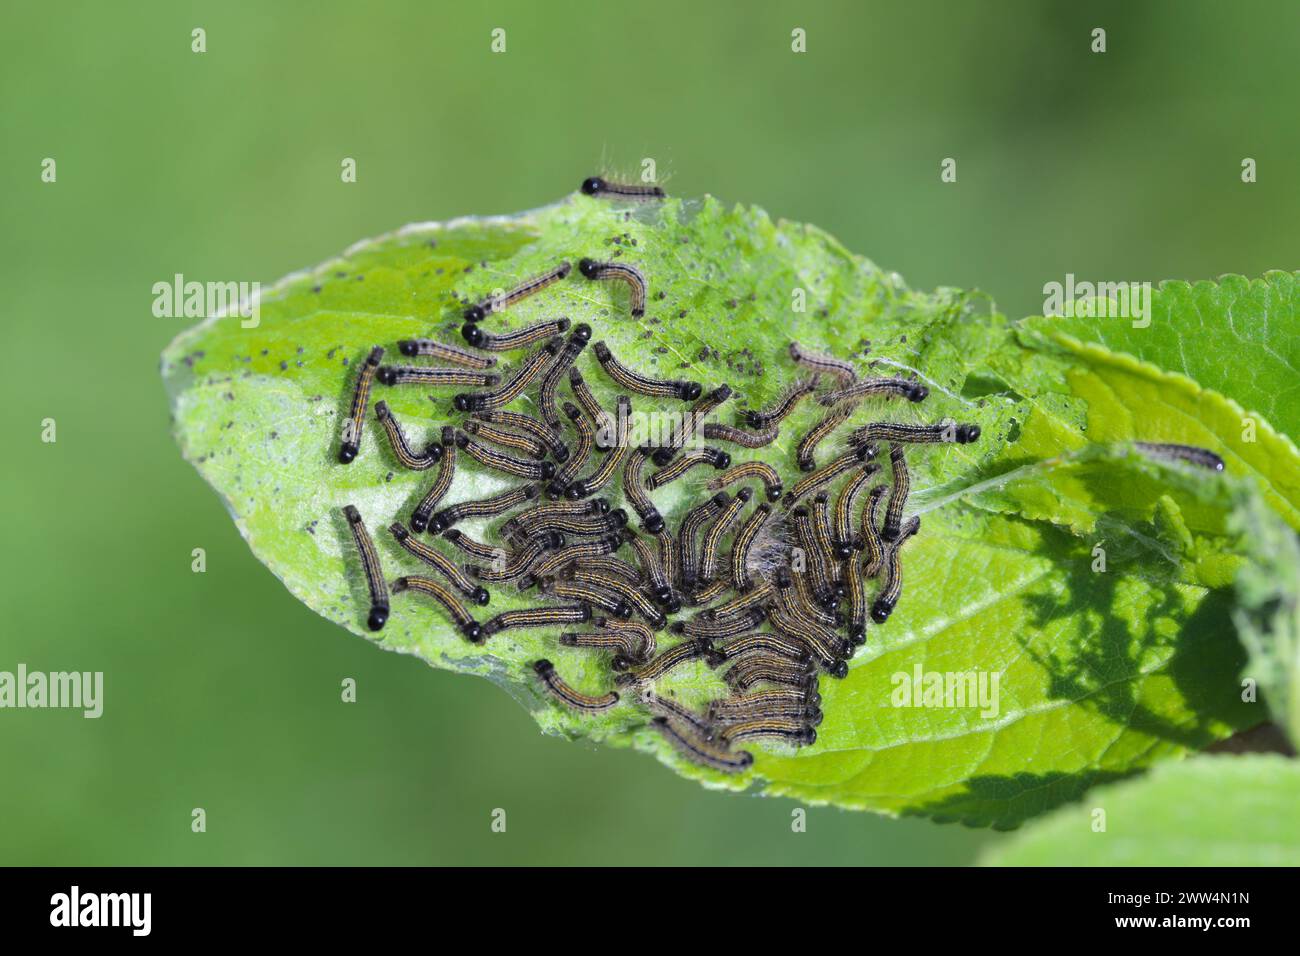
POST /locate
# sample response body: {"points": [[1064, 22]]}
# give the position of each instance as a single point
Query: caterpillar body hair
{"points": [[826, 646], [900, 433], [878, 388], [824, 475], [787, 728], [663, 663], [743, 543], [780, 702], [601, 420], [824, 536], [634, 490], [872, 543], [1201, 457], [402, 450], [720, 628], [575, 463], [795, 596], [441, 484], [567, 695], [350, 443], [370, 565], [526, 423], [855, 585], [588, 525], [717, 431], [695, 520], [516, 564], [485, 508], [588, 594], [509, 341], [669, 556], [514, 387], [827, 364], [537, 617], [817, 558], [629, 275], [477, 313], [525, 444], [640, 384], [630, 595], [720, 460], [751, 469], [783, 406], [702, 751], [766, 669], [612, 461], [845, 506], [892, 589], [476, 549], [807, 446], [666, 707], [577, 341], [562, 557], [756, 597], [434, 375], [440, 593], [428, 348], [439, 562], [767, 642], [531, 470], [704, 594], [640, 631], [605, 188], [624, 643], [653, 569], [712, 540], [900, 487], [538, 518], [691, 423]]}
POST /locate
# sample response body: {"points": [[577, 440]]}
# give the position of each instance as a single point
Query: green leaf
{"points": [[1237, 336], [1208, 811], [1268, 609], [1099, 673]]}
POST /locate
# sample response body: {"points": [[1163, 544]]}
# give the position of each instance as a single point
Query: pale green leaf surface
{"points": [[1206, 811], [1100, 674]]}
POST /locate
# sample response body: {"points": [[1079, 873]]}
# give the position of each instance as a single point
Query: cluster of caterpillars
{"points": [[581, 530]]}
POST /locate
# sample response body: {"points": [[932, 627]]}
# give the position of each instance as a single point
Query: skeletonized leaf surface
{"points": [[1098, 674]]}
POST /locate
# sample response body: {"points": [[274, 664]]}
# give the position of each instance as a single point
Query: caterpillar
{"points": [[429, 348], [640, 384], [370, 565], [509, 341], [350, 443], [575, 699], [599, 186], [629, 275], [477, 313]]}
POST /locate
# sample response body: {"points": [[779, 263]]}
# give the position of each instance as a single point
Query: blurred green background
{"points": [[221, 691]]}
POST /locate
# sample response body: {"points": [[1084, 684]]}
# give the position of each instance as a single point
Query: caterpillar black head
{"points": [[378, 617], [589, 268], [473, 334], [967, 433], [475, 313], [592, 185], [917, 393]]}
